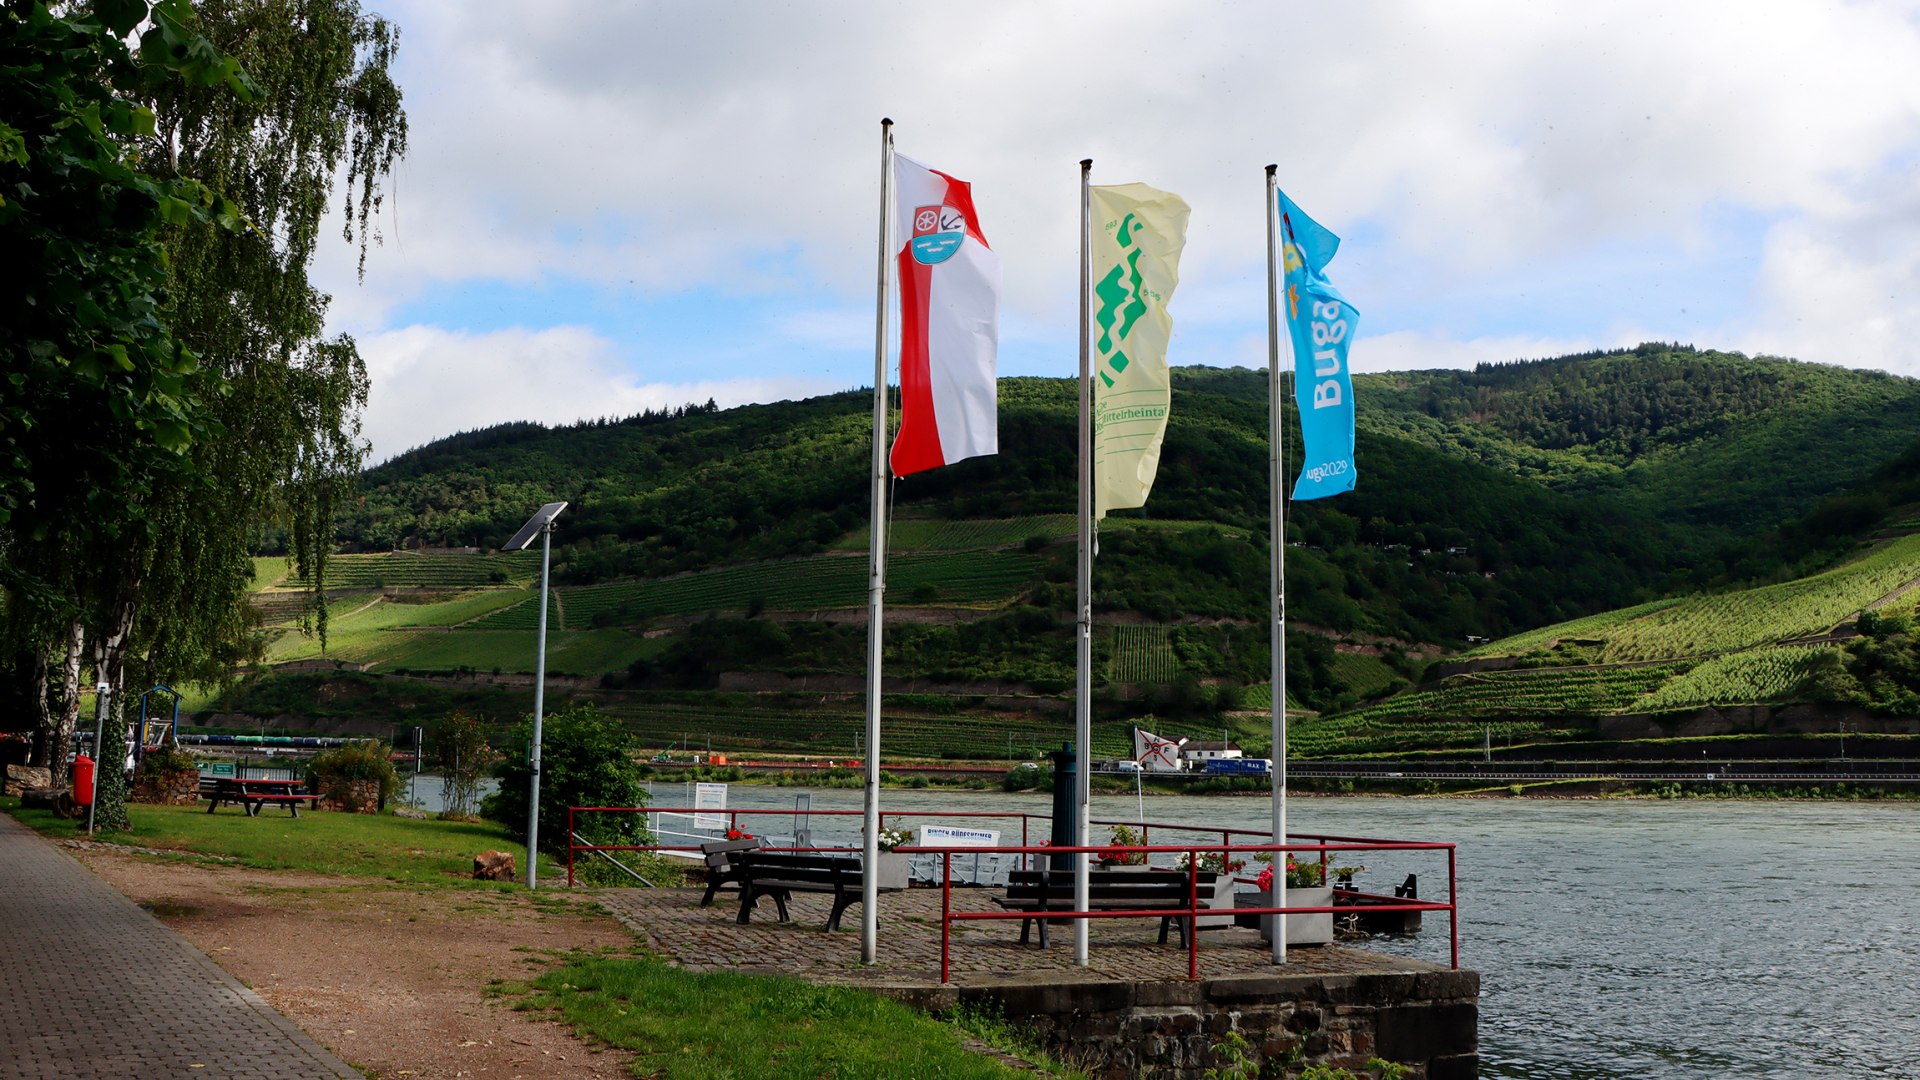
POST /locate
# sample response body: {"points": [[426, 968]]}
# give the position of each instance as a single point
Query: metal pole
{"points": [[876, 570], [1083, 643], [413, 785], [1277, 570], [100, 692], [539, 707]]}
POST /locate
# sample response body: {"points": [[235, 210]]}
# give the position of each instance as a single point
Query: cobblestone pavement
{"points": [[708, 939], [91, 986]]}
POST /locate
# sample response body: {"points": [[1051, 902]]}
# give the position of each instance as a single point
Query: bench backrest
{"points": [[1054, 888], [723, 854], [827, 871]]}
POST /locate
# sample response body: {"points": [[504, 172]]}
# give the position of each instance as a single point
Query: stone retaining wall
{"points": [[1129, 1030], [170, 789]]}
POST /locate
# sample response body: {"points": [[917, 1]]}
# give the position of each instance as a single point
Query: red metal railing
{"points": [[1321, 845]]}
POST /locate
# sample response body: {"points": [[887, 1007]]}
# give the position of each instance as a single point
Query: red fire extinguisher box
{"points": [[83, 780]]}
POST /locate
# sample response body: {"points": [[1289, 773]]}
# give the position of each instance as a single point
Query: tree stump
{"points": [[493, 866]]}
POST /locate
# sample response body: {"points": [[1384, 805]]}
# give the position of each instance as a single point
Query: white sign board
{"points": [[947, 836], [709, 797]]}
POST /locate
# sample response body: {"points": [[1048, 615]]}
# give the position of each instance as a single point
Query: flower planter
{"points": [[892, 870], [1221, 899], [1305, 929]]}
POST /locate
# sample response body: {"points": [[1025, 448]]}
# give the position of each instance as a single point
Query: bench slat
{"points": [[1107, 890], [778, 874]]}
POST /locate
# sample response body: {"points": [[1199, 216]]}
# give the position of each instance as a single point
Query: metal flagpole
{"points": [[1277, 514], [876, 568], [1083, 644]]}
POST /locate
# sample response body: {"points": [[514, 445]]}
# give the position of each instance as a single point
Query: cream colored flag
{"points": [[1137, 236]]}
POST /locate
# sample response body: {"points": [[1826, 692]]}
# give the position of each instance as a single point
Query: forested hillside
{"points": [[1490, 502]]}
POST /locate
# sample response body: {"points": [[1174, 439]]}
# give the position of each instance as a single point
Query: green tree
{"points": [[587, 758], [102, 400], [461, 755], [287, 419]]}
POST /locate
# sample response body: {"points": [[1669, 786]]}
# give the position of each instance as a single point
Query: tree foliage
{"points": [[461, 754], [1879, 670], [200, 403], [587, 758], [102, 401]]}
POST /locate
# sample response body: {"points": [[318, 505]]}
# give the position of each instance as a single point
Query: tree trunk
{"points": [[58, 707], [110, 658], [42, 715]]}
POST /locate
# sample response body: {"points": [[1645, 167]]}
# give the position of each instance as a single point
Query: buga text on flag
{"points": [[949, 322], [1321, 324]]}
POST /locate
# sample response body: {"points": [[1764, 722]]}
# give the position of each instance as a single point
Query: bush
{"points": [[340, 773], [587, 758], [164, 764], [461, 756]]}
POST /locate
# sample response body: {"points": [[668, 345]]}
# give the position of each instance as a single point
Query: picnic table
{"points": [[253, 794]]}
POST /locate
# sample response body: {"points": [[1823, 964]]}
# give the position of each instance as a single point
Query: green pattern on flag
{"points": [[1137, 236]]}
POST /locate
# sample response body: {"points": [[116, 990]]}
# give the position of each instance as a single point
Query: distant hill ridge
{"points": [[1491, 502]]}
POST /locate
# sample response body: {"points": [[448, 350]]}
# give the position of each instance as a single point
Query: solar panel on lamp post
{"points": [[542, 523]]}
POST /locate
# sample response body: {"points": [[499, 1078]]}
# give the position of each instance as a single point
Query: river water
{"points": [[1618, 939]]}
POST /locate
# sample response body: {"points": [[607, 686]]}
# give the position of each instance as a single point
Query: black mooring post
{"points": [[1066, 808]]}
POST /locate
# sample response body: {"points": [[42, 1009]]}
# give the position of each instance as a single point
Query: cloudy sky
{"points": [[614, 206]]}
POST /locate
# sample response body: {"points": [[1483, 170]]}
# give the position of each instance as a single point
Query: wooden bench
{"points": [[725, 865], [1107, 890], [780, 875]]}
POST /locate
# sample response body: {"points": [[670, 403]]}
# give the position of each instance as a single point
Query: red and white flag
{"points": [[949, 322]]}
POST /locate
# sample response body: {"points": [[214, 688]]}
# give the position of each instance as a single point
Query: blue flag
{"points": [[1322, 324]]}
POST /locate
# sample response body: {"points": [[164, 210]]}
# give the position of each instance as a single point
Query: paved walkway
{"points": [[983, 952], [91, 986]]}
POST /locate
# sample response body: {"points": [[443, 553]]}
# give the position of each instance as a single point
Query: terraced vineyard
{"points": [[524, 614], [1142, 655], [1525, 693], [826, 581], [439, 570], [1369, 676], [1355, 735], [585, 653], [1261, 697], [941, 534], [1737, 620], [1743, 678]]}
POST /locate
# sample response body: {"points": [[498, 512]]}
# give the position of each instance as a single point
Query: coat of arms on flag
{"points": [[937, 233]]}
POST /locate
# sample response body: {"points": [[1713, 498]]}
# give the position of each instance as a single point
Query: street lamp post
{"points": [[542, 524], [100, 692]]}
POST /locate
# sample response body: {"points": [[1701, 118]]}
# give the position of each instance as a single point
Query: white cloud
{"points": [[1409, 350], [428, 382], [670, 150], [1840, 288]]}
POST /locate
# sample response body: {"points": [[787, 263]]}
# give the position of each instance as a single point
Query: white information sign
{"points": [[709, 797], [948, 836]]}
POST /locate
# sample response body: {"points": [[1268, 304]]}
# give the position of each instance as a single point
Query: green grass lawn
{"points": [[688, 1026], [398, 849]]}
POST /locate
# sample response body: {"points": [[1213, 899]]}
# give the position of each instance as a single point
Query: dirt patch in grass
{"points": [[392, 978]]}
